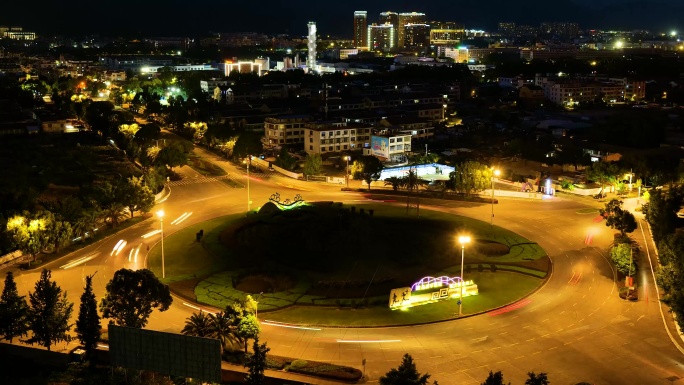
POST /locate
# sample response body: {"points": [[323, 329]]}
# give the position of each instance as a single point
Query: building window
{"points": [[311, 148], [391, 140], [345, 146], [399, 139], [310, 140]]}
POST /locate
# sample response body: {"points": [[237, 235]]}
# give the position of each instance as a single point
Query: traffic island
{"points": [[324, 263]]}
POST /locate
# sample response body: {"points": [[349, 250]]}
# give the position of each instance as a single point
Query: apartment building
{"points": [[285, 129], [326, 137]]}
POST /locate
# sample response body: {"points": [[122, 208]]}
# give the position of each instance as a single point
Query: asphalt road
{"points": [[575, 327]]}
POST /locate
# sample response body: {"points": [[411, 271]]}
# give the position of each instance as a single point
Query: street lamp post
{"points": [[249, 200], [494, 173], [346, 170], [160, 214], [462, 240]]}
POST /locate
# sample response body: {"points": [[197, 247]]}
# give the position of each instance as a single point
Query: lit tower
{"points": [[311, 57], [360, 28]]}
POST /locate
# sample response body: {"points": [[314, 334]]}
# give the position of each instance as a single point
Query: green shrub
{"points": [[298, 364], [567, 185], [480, 268], [492, 267]]}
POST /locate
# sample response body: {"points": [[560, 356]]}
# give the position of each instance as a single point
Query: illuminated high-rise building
{"points": [[381, 37], [446, 33], [311, 45], [416, 35], [361, 29], [405, 19], [390, 18]]}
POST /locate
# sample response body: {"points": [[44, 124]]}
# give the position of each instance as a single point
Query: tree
{"points": [[131, 296], [495, 378], [285, 160], [537, 379], [148, 132], [173, 155], [661, 211], [88, 322], [13, 311], [136, 195], [470, 177], [603, 173], [247, 329], [313, 164], [248, 143], [367, 168], [61, 233], [256, 363], [49, 313], [617, 218], [198, 325], [620, 254], [405, 374], [395, 182], [28, 232], [623, 221], [221, 329]]}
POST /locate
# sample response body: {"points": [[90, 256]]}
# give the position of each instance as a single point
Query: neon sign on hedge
{"points": [[427, 283]]}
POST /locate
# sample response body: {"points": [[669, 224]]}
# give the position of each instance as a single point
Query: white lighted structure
{"points": [[429, 290], [311, 45], [243, 67]]}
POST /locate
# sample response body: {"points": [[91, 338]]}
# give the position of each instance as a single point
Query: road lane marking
{"points": [[273, 323], [79, 261]]}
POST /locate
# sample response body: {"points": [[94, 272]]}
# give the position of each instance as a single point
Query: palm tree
{"points": [[114, 212], [198, 325], [395, 182], [222, 329]]}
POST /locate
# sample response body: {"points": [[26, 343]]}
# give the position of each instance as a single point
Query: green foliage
{"points": [[198, 325], [395, 182], [313, 165], [256, 363], [470, 177], [405, 374], [88, 327], [49, 313], [248, 143], [567, 185], [14, 311], [248, 328], [131, 296], [661, 211], [285, 160], [603, 173], [617, 218], [172, 155], [298, 364], [135, 195], [30, 232], [367, 168], [495, 378], [621, 255], [537, 379]]}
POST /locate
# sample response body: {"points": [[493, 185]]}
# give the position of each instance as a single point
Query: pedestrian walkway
{"points": [[189, 181]]}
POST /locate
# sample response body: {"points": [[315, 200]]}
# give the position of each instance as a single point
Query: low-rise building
{"points": [[326, 137], [389, 147], [285, 130]]}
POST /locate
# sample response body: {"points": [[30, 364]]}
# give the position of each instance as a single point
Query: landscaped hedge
{"points": [[311, 368]]}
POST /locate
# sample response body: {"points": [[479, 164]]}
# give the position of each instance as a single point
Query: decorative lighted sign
{"points": [[287, 204], [431, 289]]}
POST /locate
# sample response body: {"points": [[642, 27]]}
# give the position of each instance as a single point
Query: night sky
{"points": [[174, 17]]}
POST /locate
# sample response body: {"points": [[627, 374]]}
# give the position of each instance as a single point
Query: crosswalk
{"points": [[238, 179], [189, 181]]}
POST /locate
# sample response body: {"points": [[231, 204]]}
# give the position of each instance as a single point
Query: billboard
{"points": [[380, 146], [165, 353]]}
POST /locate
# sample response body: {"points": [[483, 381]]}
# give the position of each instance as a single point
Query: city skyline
{"points": [[173, 18]]}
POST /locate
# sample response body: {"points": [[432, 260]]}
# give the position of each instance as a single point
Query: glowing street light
{"points": [[160, 214], [346, 170], [463, 239], [494, 173]]}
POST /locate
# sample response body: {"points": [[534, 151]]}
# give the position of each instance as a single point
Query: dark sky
{"points": [[175, 17]]}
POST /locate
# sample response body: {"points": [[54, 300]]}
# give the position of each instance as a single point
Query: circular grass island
{"points": [[325, 263]]}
